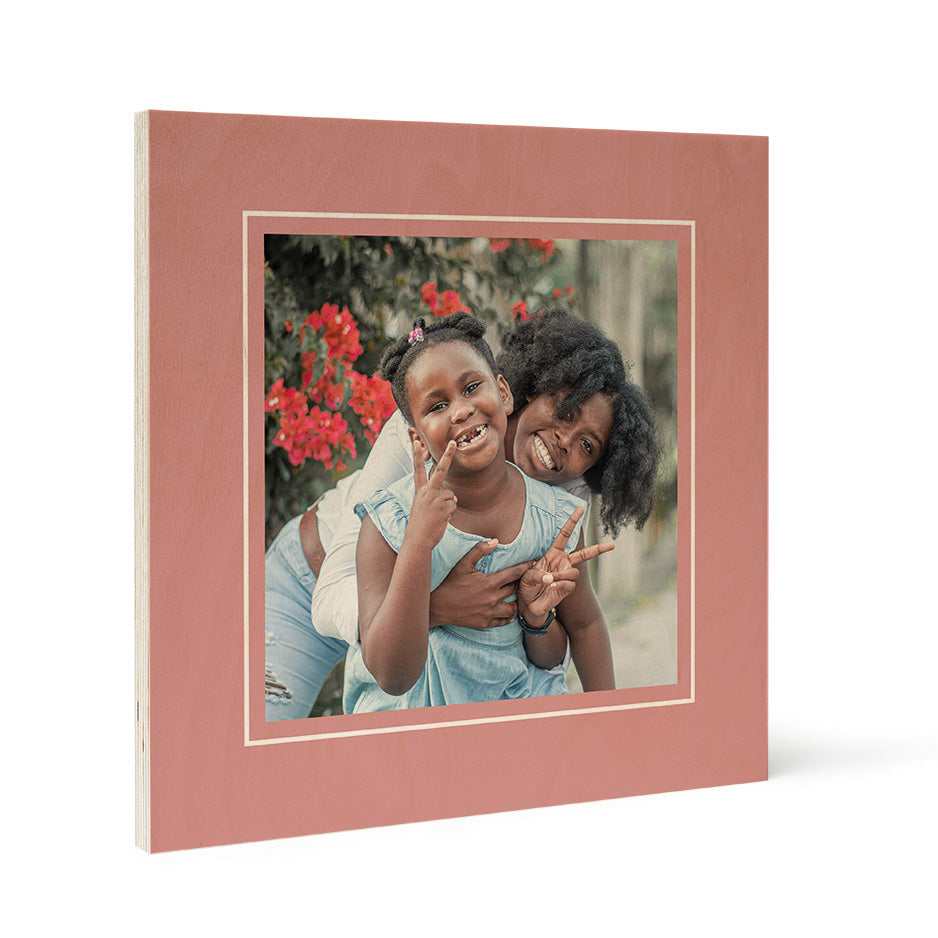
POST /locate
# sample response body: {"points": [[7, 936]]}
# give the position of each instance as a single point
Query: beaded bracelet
{"points": [[530, 630]]}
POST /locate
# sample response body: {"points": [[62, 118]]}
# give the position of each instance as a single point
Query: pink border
{"points": [[206, 786]]}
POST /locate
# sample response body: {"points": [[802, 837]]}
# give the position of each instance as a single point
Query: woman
{"points": [[578, 422]]}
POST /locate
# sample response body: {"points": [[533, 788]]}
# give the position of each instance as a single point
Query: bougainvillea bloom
{"points": [[447, 304], [316, 435], [340, 334], [545, 248], [326, 390], [520, 311], [286, 400], [274, 399], [372, 400], [450, 303], [321, 432], [428, 294]]}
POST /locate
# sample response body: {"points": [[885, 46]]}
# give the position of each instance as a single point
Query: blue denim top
{"points": [[547, 507]]}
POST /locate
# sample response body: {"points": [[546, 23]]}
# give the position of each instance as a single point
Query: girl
{"points": [[444, 381], [572, 397]]}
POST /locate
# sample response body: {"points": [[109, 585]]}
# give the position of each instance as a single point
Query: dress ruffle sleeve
{"points": [[388, 514], [565, 504]]}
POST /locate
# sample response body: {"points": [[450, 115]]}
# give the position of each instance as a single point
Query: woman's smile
{"points": [[542, 452]]}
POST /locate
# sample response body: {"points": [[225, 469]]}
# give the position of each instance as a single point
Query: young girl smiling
{"points": [[444, 380]]}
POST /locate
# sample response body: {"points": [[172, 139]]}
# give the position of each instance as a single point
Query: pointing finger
{"points": [[420, 469], [442, 467], [588, 553]]}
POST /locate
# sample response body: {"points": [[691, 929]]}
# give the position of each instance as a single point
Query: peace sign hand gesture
{"points": [[433, 505], [554, 576]]}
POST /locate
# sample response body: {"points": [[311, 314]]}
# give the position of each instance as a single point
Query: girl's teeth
{"points": [[471, 437]]}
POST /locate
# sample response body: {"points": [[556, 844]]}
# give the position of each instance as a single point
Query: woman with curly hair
{"points": [[578, 422], [558, 368]]}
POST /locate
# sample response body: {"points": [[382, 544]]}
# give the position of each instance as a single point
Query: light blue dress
{"points": [[465, 665]]}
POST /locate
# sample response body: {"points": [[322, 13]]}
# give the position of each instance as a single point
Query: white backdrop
{"points": [[842, 836]]}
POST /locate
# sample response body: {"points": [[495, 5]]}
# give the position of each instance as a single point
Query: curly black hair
{"points": [[553, 352], [397, 358]]}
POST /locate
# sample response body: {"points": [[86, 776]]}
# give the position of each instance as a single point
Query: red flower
{"points": [[286, 400], [545, 248], [316, 435], [372, 400], [520, 311], [450, 303], [293, 433], [556, 292], [288, 325], [320, 432], [326, 389], [341, 331], [341, 335], [428, 295], [329, 434], [274, 396]]}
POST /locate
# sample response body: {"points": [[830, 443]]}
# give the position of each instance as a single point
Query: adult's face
{"points": [[556, 450]]}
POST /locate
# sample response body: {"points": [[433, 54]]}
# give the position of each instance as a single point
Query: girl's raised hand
{"points": [[554, 576], [433, 505]]}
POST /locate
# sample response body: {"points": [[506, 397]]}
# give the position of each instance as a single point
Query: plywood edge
{"points": [[142, 479]]}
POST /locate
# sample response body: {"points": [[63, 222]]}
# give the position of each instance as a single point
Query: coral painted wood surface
{"points": [[209, 186]]}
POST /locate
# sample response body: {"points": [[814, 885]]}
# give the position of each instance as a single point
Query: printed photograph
{"points": [[470, 470]]}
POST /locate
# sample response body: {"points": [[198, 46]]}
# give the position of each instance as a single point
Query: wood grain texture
{"points": [[216, 773], [141, 481]]}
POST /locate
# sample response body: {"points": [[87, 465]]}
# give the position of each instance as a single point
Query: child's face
{"points": [[554, 450], [453, 395]]}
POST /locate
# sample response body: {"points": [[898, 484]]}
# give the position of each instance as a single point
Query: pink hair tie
{"points": [[416, 335]]}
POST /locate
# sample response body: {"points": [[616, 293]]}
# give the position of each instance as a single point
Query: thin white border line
{"points": [[248, 741], [547, 219], [693, 457], [511, 718], [245, 473]]}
